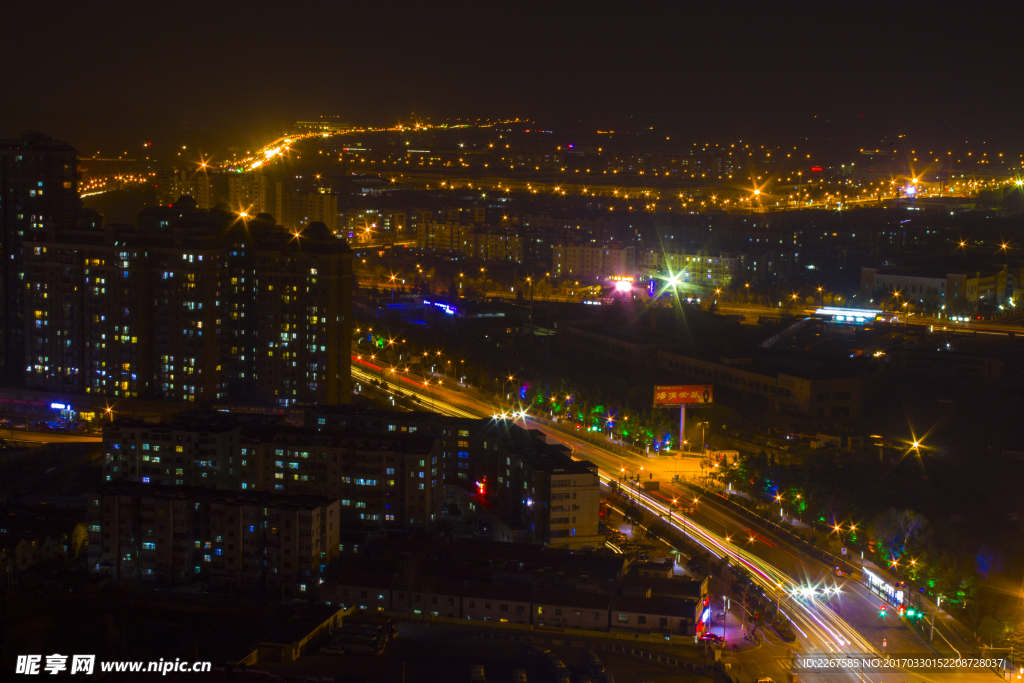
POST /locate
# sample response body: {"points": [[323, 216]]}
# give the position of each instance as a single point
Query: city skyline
{"points": [[568, 343]]}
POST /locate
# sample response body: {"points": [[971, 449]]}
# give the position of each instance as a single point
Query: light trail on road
{"points": [[824, 626], [394, 388], [825, 630], [821, 630]]}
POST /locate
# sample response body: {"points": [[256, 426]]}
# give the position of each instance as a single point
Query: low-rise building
{"points": [[187, 534], [655, 614], [489, 602], [365, 590], [811, 387], [436, 596], [383, 479], [192, 450], [390, 478], [462, 439], [571, 610], [447, 583]]}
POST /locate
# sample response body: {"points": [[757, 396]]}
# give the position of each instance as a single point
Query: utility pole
{"points": [[725, 615], [530, 280], [682, 425]]}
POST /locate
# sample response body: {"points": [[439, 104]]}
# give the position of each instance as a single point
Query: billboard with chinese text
{"points": [[677, 395]]}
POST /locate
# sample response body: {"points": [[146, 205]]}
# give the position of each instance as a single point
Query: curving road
{"points": [[781, 571]]}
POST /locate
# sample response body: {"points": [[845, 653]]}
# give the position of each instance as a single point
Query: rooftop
{"points": [[660, 605], [252, 498], [344, 438], [584, 600]]}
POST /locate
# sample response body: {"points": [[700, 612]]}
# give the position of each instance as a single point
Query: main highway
{"points": [[802, 584]]}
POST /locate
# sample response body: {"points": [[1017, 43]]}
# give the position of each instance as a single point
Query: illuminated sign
{"points": [[450, 310], [850, 315], [622, 278], [678, 395], [58, 406], [816, 169]]}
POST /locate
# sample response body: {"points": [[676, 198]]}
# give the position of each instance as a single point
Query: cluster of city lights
{"points": [[101, 184]]}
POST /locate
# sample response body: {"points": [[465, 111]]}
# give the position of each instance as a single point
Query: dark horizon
{"points": [[771, 73]]}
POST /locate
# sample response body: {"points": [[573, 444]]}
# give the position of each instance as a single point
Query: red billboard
{"points": [[678, 395]]}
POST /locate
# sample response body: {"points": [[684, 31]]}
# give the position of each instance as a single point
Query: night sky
{"points": [[115, 73]]}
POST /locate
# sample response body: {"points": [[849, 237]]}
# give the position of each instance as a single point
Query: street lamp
{"points": [[504, 383]]}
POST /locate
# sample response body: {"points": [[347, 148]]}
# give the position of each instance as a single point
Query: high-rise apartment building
{"points": [[495, 245], [445, 236], [38, 195], [205, 187], [190, 305], [252, 193], [320, 207], [593, 260]]}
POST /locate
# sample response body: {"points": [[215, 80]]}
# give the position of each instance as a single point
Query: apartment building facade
{"points": [[190, 534], [593, 261], [386, 479], [168, 309]]}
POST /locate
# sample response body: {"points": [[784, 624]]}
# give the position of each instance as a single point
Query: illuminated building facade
{"points": [[699, 268], [38, 195], [168, 309], [390, 478], [592, 260], [224, 538]]}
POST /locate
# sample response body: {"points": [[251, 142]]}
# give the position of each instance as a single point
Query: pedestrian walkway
{"points": [[729, 624]]}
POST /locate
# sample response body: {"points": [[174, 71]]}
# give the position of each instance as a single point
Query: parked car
{"points": [[519, 676], [532, 652], [476, 673], [557, 664], [593, 663], [712, 637]]}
